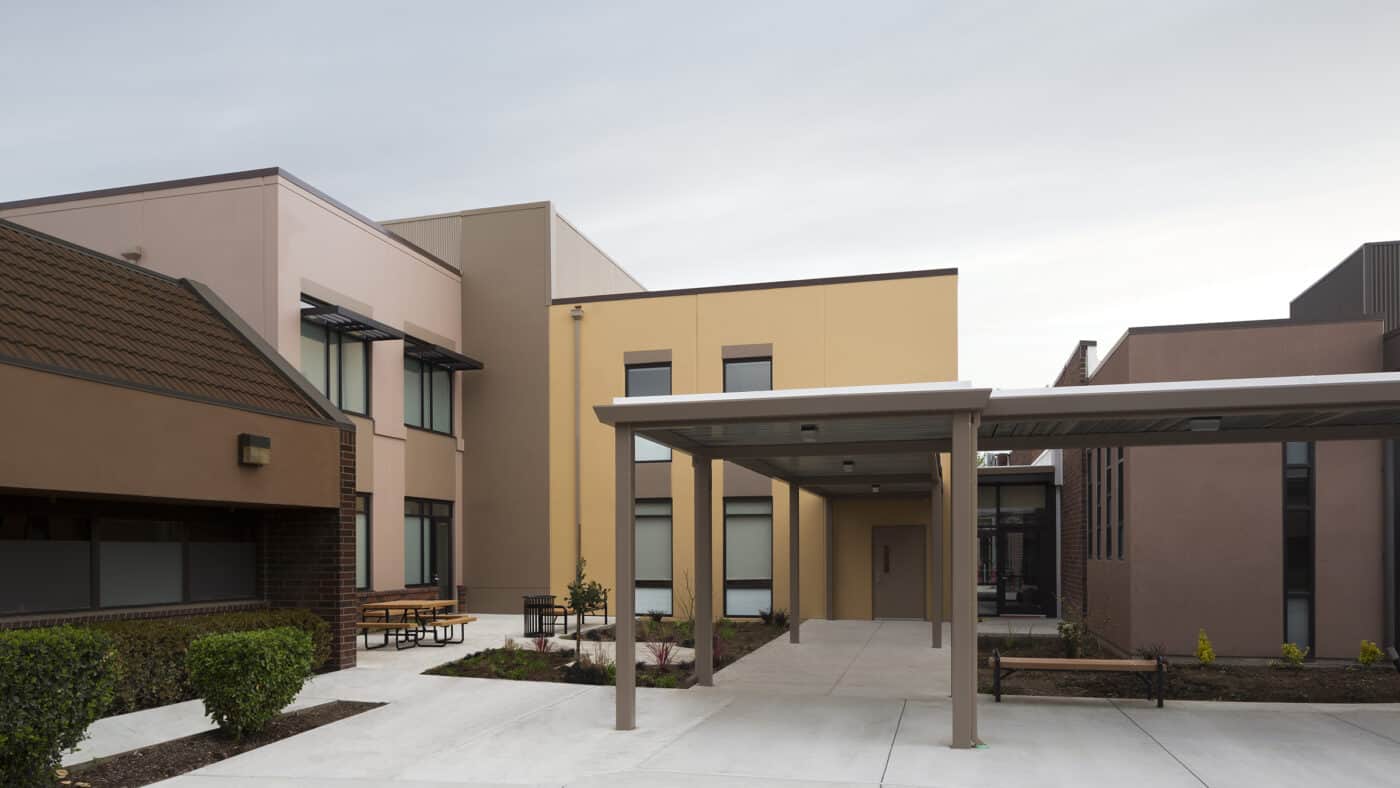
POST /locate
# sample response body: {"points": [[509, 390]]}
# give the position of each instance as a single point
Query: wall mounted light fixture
{"points": [[254, 450]]}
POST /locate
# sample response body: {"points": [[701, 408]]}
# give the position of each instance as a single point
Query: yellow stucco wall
{"points": [[872, 332]]}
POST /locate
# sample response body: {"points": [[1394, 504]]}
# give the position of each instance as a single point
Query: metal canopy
{"points": [[889, 434], [437, 355], [347, 322]]}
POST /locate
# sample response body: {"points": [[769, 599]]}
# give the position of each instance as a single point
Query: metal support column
{"points": [[964, 489], [704, 573], [624, 591], [935, 552], [794, 566]]}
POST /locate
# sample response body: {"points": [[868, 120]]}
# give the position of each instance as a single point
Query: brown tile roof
{"points": [[75, 311]]}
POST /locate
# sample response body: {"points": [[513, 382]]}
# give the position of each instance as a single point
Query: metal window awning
{"points": [[347, 322], [437, 355]]}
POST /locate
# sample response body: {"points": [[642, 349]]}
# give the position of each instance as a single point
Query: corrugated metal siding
{"points": [[441, 235], [1339, 295], [1381, 265]]}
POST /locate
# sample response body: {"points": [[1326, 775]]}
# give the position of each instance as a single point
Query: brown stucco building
{"points": [[160, 459]]}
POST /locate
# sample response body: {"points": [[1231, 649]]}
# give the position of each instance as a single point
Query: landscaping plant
{"points": [[664, 651], [541, 643], [55, 683], [1073, 633], [1293, 656], [150, 653], [584, 594], [1370, 653], [247, 678], [780, 618], [1205, 652]]}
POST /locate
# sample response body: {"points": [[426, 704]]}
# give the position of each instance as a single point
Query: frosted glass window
{"points": [[222, 570], [313, 355], [1298, 613], [354, 375], [747, 601], [442, 400], [649, 380], [361, 541], [413, 550], [141, 573], [649, 451], [28, 569], [654, 540], [754, 374], [413, 392], [654, 600]]}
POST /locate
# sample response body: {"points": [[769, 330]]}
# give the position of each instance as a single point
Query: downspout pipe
{"points": [[577, 314]]}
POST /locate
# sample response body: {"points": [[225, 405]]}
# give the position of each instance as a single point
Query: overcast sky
{"points": [[1085, 167]]}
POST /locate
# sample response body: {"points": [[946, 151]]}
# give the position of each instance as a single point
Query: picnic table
{"points": [[411, 620]]}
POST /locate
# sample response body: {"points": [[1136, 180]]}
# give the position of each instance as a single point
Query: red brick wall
{"points": [[308, 560], [1072, 515]]}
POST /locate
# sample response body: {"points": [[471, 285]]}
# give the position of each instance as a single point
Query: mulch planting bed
{"points": [[178, 756], [525, 662], [1190, 681]]}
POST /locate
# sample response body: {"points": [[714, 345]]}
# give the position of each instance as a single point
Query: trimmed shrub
{"points": [[1205, 652], [54, 683], [1293, 656], [247, 678], [1370, 653], [151, 652]]}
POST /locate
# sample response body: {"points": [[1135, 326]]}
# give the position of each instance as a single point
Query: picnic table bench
{"points": [[1005, 666], [410, 621]]}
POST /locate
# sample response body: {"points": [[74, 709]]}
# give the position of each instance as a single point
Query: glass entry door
{"points": [[1016, 550]]}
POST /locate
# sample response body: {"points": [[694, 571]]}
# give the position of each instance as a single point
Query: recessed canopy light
{"points": [[848, 466], [875, 488], [1204, 424], [809, 433]]}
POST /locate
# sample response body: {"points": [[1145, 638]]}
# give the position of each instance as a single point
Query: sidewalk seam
{"points": [[1182, 763]]}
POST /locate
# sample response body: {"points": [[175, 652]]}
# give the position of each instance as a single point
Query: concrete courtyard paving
{"points": [[858, 703]]}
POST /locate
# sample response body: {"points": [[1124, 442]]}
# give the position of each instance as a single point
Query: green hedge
{"points": [[247, 678], [53, 683], [151, 652]]}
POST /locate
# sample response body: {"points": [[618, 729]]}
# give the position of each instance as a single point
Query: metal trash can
{"points": [[538, 609]]}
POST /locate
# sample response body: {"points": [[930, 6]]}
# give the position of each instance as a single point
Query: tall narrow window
{"points": [[337, 366], [427, 526], [1108, 504], [649, 380], [1098, 503], [427, 395], [748, 374], [654, 556], [748, 556], [362, 541], [1086, 495], [1122, 493], [1298, 543]]}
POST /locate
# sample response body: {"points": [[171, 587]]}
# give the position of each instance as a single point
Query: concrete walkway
{"points": [[827, 712]]}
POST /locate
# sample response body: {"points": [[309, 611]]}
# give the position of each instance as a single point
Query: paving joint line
{"points": [[1180, 762], [856, 658], [889, 755], [1360, 727]]}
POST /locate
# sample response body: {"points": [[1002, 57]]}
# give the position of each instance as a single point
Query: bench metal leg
{"points": [[1161, 682], [996, 674]]}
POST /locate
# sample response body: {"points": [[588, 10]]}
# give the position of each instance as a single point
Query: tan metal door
{"points": [[898, 570]]}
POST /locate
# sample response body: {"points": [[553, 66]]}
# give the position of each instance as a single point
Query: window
{"points": [[421, 519], [654, 556], [1121, 495], [748, 556], [67, 555], [427, 396], [362, 542], [1299, 545], [748, 374], [1098, 504], [337, 365], [1108, 503], [648, 380], [1087, 493]]}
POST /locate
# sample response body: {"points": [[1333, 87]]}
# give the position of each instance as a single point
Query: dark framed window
{"points": [[1122, 493], [648, 380], [1098, 503], [1299, 543], [69, 555], [427, 395], [1108, 504], [1087, 494], [748, 556], [421, 519], [337, 365], [363, 541], [654, 556], [748, 374]]}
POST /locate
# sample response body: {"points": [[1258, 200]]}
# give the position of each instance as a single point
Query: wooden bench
{"points": [[448, 622], [1005, 666]]}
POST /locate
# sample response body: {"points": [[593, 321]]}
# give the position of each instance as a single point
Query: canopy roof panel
{"points": [[888, 434]]}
